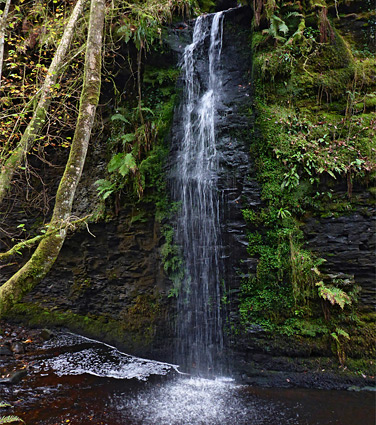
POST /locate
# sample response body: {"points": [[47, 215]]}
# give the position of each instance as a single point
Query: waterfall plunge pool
{"points": [[78, 381]]}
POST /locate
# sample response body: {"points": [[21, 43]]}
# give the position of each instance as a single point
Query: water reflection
{"points": [[70, 382]]}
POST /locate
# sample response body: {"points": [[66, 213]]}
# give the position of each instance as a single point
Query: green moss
{"points": [[99, 327], [134, 330], [139, 320], [79, 287]]}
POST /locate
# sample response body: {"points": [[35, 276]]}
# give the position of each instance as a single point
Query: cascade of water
{"points": [[195, 186]]}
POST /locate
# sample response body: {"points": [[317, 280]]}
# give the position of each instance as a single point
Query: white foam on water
{"points": [[192, 401], [85, 355]]}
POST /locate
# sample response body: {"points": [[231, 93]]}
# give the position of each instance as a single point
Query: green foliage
{"points": [[309, 131], [277, 26], [340, 336], [105, 188], [160, 76], [264, 304], [304, 272], [309, 148], [172, 261], [138, 167], [334, 294], [251, 216], [119, 117], [123, 163], [10, 419], [304, 327], [207, 6], [142, 21]]}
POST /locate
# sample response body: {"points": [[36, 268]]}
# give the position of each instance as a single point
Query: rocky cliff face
{"points": [[114, 273], [116, 280], [347, 241]]}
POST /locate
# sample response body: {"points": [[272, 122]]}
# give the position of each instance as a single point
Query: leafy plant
{"points": [[277, 26], [123, 163], [340, 336], [105, 188], [9, 418], [333, 294], [119, 117]]}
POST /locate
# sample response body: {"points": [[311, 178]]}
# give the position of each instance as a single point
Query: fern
{"points": [[105, 188], [338, 337], [277, 25], [333, 294], [119, 117], [338, 333], [127, 138], [298, 34], [126, 32], [10, 419]]}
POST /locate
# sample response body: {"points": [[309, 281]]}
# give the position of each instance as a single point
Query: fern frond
{"points": [[294, 14], [10, 419]]}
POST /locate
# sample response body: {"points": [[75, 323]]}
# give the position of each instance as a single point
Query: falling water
{"points": [[200, 338]]}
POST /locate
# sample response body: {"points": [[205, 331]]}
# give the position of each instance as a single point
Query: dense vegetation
{"points": [[315, 129], [32, 126]]}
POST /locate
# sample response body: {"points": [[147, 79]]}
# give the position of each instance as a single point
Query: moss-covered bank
{"points": [[314, 87]]}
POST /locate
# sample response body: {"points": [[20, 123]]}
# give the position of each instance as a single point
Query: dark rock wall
{"points": [[115, 276], [347, 241], [239, 188]]}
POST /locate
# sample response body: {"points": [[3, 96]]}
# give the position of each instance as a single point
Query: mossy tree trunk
{"points": [[39, 116], [48, 249]]}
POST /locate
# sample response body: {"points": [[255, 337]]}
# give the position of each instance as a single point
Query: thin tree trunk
{"points": [[39, 117], [3, 24], [48, 249]]}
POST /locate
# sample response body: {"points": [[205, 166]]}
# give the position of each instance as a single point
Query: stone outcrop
{"points": [[347, 241]]}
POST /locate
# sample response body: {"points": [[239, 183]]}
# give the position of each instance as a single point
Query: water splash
{"points": [[199, 330], [192, 401]]}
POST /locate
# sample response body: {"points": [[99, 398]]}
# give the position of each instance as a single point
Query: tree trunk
{"points": [[3, 24], [39, 117], [48, 249]]}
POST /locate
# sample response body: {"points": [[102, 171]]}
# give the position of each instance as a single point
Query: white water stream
{"points": [[199, 330]]}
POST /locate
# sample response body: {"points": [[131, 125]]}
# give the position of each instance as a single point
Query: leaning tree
{"points": [[50, 245]]}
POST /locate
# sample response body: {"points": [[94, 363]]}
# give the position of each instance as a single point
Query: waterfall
{"points": [[199, 329]]}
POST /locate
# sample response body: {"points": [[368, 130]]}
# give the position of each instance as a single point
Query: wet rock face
{"points": [[238, 186], [115, 276], [348, 244]]}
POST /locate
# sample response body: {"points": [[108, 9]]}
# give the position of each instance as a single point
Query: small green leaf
{"points": [[126, 138], [129, 164], [4, 404], [116, 162], [120, 118]]}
